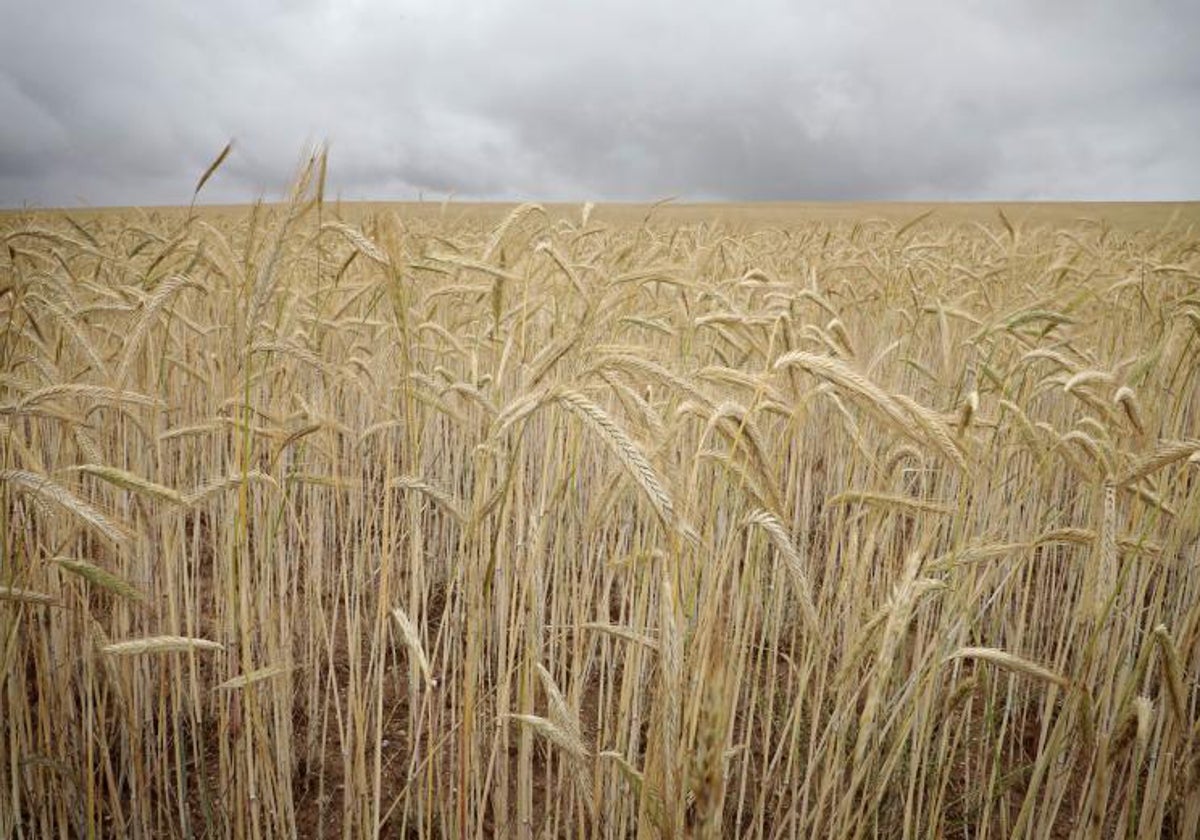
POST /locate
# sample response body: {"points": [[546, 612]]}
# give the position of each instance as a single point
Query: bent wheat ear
{"points": [[44, 489], [1167, 453], [905, 415], [647, 370], [1172, 673], [517, 410], [159, 644], [235, 479], [251, 677], [447, 502], [560, 712], [786, 549], [26, 596], [1076, 536], [162, 294], [1127, 400], [889, 500], [935, 428], [554, 734], [412, 640], [129, 481], [212, 167], [631, 773], [1143, 709], [838, 330], [625, 449], [1085, 378], [841, 374], [966, 411], [98, 393], [101, 578], [360, 242], [1010, 662], [511, 220], [625, 633]]}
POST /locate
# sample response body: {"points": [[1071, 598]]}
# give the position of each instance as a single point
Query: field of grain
{"points": [[576, 523]]}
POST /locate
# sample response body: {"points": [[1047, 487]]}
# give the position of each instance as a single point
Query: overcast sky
{"points": [[127, 102]]}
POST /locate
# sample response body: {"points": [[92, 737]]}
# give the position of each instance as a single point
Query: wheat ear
{"points": [[1010, 662], [159, 644]]}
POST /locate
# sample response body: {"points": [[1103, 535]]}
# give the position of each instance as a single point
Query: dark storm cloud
{"points": [[127, 102]]}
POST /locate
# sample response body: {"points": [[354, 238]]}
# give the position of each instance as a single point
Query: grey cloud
{"points": [[629, 100]]}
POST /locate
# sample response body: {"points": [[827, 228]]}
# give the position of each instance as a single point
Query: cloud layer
{"points": [[629, 99]]}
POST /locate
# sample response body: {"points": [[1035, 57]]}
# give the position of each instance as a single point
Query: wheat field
{"points": [[351, 522]]}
